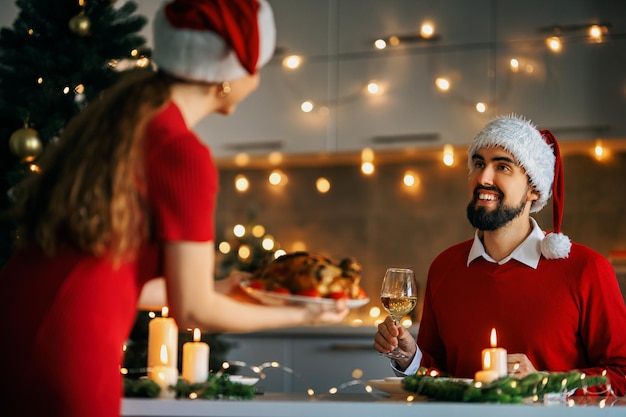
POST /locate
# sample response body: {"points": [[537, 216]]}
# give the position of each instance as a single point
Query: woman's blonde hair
{"points": [[89, 195]]}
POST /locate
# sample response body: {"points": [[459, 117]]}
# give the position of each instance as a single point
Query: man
{"points": [[555, 305]]}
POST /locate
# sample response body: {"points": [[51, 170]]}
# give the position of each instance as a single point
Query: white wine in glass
{"points": [[398, 295]]}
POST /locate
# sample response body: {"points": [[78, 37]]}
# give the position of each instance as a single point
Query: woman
{"points": [[127, 195]]}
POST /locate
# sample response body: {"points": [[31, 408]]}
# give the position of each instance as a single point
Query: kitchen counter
{"points": [[362, 405]]}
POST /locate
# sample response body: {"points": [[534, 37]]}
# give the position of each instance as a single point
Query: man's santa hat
{"points": [[213, 40], [537, 151]]}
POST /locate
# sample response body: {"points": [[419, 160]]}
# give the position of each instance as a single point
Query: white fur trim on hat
{"points": [[203, 55], [521, 138]]}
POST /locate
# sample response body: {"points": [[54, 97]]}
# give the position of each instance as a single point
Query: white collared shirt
{"points": [[528, 253]]}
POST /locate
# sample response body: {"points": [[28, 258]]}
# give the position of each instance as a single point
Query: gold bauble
{"points": [[25, 143], [80, 24]]}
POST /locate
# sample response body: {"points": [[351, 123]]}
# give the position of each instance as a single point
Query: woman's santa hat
{"points": [[537, 151], [213, 40]]}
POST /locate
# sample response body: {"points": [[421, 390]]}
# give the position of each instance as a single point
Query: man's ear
{"points": [[532, 194]]}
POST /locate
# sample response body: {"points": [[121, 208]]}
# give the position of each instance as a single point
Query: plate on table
{"points": [[275, 298], [391, 386], [245, 380]]}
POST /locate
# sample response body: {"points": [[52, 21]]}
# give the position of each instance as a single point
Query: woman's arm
{"points": [[194, 301]]}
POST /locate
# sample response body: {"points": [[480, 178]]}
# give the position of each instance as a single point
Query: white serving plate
{"points": [[274, 298]]}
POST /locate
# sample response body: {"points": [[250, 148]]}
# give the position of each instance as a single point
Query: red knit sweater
{"points": [[566, 314]]}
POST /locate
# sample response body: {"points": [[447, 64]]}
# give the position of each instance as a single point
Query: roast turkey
{"points": [[304, 273]]}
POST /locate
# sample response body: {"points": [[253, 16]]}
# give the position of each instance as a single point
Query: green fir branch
{"points": [[504, 390]]}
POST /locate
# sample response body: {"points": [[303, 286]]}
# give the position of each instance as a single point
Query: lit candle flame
{"points": [[164, 311], [196, 335], [163, 354], [493, 338]]}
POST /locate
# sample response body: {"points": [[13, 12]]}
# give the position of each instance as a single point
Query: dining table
{"points": [[364, 405]]}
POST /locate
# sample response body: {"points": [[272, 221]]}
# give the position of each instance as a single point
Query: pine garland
{"points": [[504, 390], [217, 386]]}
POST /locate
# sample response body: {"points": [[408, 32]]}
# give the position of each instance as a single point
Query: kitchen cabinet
{"points": [[320, 358], [578, 93]]}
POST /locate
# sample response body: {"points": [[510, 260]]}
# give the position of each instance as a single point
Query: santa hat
{"points": [[213, 40], [537, 151]]}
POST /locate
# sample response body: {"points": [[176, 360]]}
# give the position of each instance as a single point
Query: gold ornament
{"points": [[80, 24], [25, 143]]}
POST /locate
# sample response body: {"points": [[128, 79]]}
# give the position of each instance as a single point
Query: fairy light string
{"points": [[539, 387]]}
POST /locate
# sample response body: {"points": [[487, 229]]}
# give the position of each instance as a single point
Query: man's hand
{"points": [[519, 365], [390, 335]]}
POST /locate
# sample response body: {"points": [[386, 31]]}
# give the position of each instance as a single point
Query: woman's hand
{"points": [[319, 313], [519, 365], [390, 335]]}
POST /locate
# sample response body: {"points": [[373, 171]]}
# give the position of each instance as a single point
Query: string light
{"points": [[514, 63], [322, 185], [427, 30], [409, 179], [242, 159], [554, 43], [142, 62], [298, 246], [394, 41], [292, 62], [367, 168], [367, 155], [481, 107], [224, 247], [275, 158], [239, 230], [277, 177], [241, 183], [448, 155], [442, 84], [258, 230], [268, 243], [306, 106], [595, 32], [600, 152], [374, 88], [380, 44], [244, 252]]}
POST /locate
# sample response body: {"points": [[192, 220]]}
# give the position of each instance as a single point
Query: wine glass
{"points": [[398, 295]]}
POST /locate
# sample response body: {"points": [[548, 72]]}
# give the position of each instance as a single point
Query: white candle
{"points": [[165, 377], [195, 360], [486, 375], [162, 331], [494, 358]]}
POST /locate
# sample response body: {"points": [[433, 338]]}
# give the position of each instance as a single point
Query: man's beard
{"points": [[481, 219]]}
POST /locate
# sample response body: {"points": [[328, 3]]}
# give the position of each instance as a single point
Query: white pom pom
{"points": [[556, 246]]}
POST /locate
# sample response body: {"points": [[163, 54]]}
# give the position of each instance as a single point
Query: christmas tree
{"points": [[58, 55]]}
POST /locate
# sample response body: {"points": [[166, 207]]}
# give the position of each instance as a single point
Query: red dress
{"points": [[65, 319]]}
